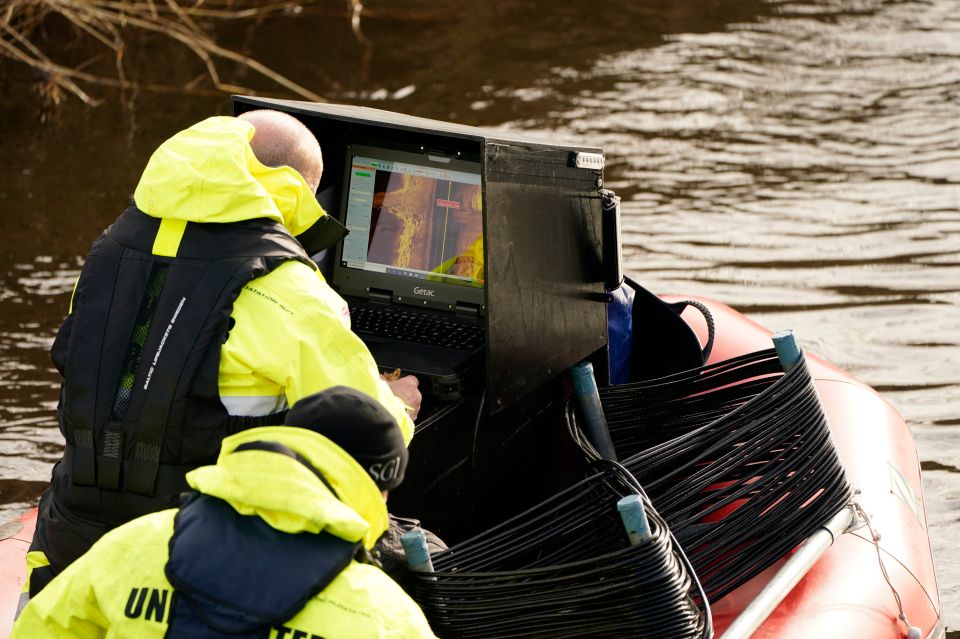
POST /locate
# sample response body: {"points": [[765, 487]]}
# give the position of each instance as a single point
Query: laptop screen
{"points": [[414, 215]]}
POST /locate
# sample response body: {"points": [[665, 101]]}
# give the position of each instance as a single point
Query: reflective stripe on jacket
{"points": [[290, 340]]}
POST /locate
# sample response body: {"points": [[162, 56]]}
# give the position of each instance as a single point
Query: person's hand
{"points": [[407, 389]]}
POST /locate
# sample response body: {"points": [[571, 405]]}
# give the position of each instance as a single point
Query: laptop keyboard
{"points": [[394, 323]]}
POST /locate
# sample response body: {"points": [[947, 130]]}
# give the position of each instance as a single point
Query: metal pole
{"points": [[792, 572]]}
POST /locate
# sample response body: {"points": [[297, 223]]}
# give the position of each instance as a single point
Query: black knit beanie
{"points": [[358, 424]]}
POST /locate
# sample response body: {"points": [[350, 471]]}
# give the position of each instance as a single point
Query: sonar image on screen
{"points": [[417, 221]]}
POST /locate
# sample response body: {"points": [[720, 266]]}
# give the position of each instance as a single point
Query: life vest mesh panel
{"points": [[121, 402]]}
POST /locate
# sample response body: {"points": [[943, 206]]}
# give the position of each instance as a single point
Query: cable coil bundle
{"points": [[565, 568], [736, 456]]}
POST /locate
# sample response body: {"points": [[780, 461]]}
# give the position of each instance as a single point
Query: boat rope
{"points": [[711, 327], [913, 632], [736, 456]]}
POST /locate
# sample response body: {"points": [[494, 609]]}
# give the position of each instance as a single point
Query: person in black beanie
{"points": [[275, 539], [369, 434], [360, 426]]}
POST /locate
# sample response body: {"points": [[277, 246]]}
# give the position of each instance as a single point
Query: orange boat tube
{"points": [[15, 538], [845, 594]]}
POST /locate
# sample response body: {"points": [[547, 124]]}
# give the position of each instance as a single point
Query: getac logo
{"points": [[428, 292], [385, 471]]}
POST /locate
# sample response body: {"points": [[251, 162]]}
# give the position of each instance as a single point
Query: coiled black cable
{"points": [[565, 568], [598, 460], [736, 456]]}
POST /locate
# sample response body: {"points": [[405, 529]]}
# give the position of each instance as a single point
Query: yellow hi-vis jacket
{"points": [[291, 338], [119, 589]]}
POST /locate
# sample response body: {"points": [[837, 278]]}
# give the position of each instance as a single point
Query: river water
{"points": [[799, 161]]}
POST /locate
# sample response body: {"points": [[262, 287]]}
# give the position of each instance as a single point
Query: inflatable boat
{"points": [[845, 593], [865, 571]]}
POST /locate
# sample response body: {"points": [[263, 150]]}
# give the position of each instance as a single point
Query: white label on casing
{"points": [[586, 160]]}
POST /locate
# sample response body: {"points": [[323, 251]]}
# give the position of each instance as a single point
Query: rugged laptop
{"points": [[412, 266]]}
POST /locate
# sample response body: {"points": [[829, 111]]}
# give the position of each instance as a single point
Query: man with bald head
{"points": [[197, 314], [280, 139]]}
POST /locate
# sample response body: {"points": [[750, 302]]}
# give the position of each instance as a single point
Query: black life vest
{"points": [[140, 355]]}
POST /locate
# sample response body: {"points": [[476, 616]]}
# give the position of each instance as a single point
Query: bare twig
{"points": [[40, 61], [51, 69], [356, 12], [106, 22]]}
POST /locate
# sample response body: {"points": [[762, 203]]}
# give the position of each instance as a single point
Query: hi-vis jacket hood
{"points": [[287, 495], [208, 173]]}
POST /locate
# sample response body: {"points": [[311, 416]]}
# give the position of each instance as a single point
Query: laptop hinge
{"points": [[465, 309], [380, 295]]}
